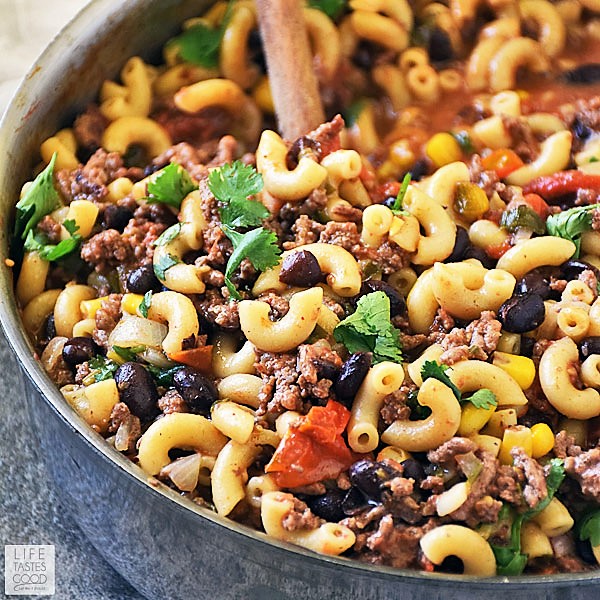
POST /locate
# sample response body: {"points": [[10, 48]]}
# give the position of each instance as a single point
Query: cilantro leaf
{"points": [[522, 217], [145, 304], [433, 369], [464, 141], [52, 252], [483, 398], [168, 235], [199, 45], [589, 528], [369, 329], [128, 353], [40, 199], [102, 368], [233, 184], [397, 206], [170, 185], [163, 377], [570, 224], [332, 8], [259, 246], [352, 112], [163, 264], [509, 559]]}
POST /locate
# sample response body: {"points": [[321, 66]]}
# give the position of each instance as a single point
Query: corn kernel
{"points": [[394, 453], [515, 436], [89, 308], [401, 155], [520, 368], [443, 149], [262, 96], [473, 419], [131, 303], [542, 439]]}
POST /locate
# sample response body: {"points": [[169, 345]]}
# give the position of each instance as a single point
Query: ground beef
{"points": [[300, 516], [394, 405], [327, 136], [107, 317], [507, 485], [486, 180], [50, 229], [89, 128], [589, 278], [279, 305], [585, 197], [172, 402], [582, 115], [141, 234], [535, 489], [217, 310], [524, 142], [585, 468], [280, 390], [155, 212], [317, 364], [564, 445], [388, 256], [82, 370], [447, 452], [291, 211], [478, 340], [443, 323], [192, 159], [126, 426], [89, 182], [400, 500], [217, 246], [306, 231], [106, 250]]}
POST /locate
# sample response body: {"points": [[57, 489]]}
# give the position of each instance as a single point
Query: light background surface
{"points": [[30, 512]]}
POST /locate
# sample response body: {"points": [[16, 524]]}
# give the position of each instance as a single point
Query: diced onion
{"points": [[136, 331]]}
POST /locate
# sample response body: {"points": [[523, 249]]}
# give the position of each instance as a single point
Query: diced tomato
{"points": [[564, 182], [313, 449], [497, 251], [503, 162], [389, 189], [199, 358], [537, 203]]}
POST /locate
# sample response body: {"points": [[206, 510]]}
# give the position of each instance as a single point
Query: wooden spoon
{"points": [[290, 65]]}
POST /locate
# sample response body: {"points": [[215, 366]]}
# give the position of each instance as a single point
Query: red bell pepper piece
{"points": [[313, 449], [564, 182], [504, 161]]}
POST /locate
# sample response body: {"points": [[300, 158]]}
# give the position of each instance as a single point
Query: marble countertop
{"points": [[30, 511]]}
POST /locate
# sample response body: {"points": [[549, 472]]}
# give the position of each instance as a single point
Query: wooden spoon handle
{"points": [[289, 61]]}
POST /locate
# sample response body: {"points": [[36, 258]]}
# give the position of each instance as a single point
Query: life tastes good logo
{"points": [[28, 570]]}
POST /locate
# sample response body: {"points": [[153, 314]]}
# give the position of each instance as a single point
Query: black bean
{"points": [[142, 280], [572, 269], [583, 74], [116, 217], [79, 349], [369, 476], [327, 370], [522, 313], [397, 302], [49, 328], [481, 256], [301, 268], [255, 46], [588, 346], [461, 244], [197, 390], [440, 46], [351, 376], [420, 169], [534, 283], [138, 390], [584, 549], [328, 506], [580, 130], [354, 502], [413, 469], [527, 344]]}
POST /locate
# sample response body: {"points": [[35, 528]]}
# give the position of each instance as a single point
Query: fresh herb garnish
{"points": [[397, 207], [170, 185], [509, 559], [168, 235], [163, 377], [435, 370], [369, 329], [128, 353], [163, 264], [522, 217], [352, 112], [570, 224], [102, 368], [145, 304], [332, 8], [52, 252], [40, 199], [483, 398], [589, 528], [418, 412], [259, 246], [464, 141], [233, 184]]}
